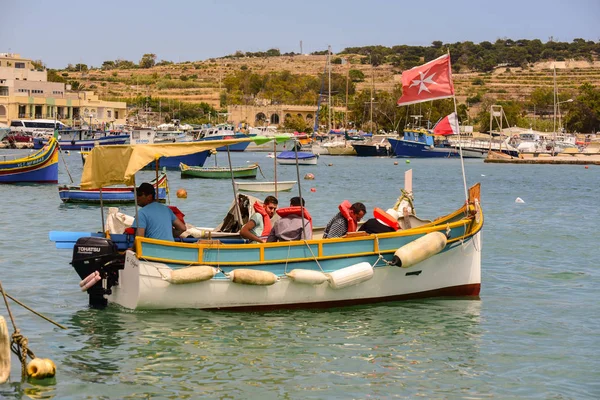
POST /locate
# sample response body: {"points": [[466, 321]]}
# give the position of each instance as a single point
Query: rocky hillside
{"points": [[200, 81]]}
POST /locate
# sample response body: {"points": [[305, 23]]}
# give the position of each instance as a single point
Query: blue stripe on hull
{"points": [[236, 147], [78, 196], [196, 160], [403, 148], [47, 174]]}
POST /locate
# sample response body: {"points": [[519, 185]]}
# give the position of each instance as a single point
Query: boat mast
{"points": [[329, 92], [555, 100], [372, 89]]}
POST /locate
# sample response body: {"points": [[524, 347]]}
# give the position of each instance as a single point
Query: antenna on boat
{"points": [[235, 193]]}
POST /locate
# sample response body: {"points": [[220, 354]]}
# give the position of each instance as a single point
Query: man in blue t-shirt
{"points": [[156, 220]]}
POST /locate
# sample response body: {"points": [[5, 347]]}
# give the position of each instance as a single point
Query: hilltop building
{"points": [[25, 93]]}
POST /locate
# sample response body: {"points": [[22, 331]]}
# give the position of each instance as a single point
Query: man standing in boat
{"points": [[156, 220], [293, 224], [346, 220], [259, 225]]}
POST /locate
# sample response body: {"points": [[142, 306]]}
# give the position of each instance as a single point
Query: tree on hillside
{"points": [[356, 75], [148, 60], [124, 64], [584, 112], [108, 65]]}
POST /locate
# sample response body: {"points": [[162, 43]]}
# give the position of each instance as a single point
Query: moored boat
{"points": [[301, 157], [270, 187], [223, 132], [247, 172], [78, 139], [109, 195], [38, 167]]}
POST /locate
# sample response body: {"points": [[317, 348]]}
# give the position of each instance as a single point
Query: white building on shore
{"points": [[25, 93]]}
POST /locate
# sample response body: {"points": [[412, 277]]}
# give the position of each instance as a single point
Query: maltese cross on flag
{"points": [[430, 81]]}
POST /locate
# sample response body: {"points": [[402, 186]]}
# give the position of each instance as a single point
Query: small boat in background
{"points": [[223, 132], [248, 172], [111, 194], [38, 167], [304, 158], [78, 139], [269, 187]]}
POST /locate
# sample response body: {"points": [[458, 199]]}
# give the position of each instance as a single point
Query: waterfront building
{"points": [[25, 93], [259, 115]]}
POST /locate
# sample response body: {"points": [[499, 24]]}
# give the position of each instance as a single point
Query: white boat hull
{"points": [[454, 272], [282, 186], [301, 161]]}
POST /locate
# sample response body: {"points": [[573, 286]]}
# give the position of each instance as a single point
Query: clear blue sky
{"points": [[62, 32]]}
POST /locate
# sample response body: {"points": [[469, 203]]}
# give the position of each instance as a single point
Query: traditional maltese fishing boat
{"points": [[38, 167], [109, 195], [424, 259]]}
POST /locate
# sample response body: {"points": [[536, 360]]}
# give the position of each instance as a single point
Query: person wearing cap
{"points": [[156, 220], [383, 221]]}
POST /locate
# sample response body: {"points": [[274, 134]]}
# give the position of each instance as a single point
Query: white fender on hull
{"points": [[419, 249], [191, 274], [351, 275], [307, 276], [252, 277]]}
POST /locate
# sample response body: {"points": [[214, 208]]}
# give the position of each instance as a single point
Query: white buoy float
{"points": [[519, 200], [193, 274], [307, 276], [252, 277], [419, 249], [351, 275]]}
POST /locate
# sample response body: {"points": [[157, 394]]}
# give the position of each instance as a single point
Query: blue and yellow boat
{"points": [[38, 167], [439, 258]]}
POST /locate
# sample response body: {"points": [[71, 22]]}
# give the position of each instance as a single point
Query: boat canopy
{"points": [[118, 164]]}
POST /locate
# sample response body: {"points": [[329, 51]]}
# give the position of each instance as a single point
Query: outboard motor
{"points": [[92, 254]]}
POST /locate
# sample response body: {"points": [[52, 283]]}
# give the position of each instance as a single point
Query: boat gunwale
{"points": [[443, 224]]}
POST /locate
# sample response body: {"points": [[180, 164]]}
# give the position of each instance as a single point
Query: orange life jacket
{"points": [[386, 218], [260, 208], [295, 210], [345, 210]]}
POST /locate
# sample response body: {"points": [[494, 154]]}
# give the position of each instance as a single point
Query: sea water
{"points": [[535, 333]]}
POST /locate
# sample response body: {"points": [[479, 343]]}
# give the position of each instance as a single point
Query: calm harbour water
{"points": [[533, 334]]}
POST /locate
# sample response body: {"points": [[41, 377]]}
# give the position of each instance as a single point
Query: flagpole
{"points": [[456, 126]]}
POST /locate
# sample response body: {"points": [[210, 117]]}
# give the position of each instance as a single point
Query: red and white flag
{"points": [[447, 125], [430, 81]]}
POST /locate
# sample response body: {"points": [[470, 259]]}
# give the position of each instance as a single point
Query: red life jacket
{"points": [[177, 213], [345, 210], [386, 218], [295, 210], [260, 208]]}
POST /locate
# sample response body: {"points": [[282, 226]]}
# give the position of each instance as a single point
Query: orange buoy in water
{"points": [[309, 176], [182, 194], [313, 189], [395, 162], [586, 167]]}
